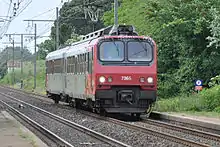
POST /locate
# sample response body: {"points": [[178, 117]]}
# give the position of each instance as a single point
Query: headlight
{"points": [[142, 79], [110, 79], [101, 79], [150, 80]]}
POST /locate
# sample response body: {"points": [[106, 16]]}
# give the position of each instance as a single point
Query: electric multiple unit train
{"points": [[112, 70]]}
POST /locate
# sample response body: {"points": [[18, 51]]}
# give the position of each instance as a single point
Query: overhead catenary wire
{"points": [[22, 9], [6, 23], [15, 13], [43, 13], [48, 28]]}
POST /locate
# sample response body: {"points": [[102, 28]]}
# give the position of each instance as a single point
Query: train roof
{"points": [[74, 49], [80, 48], [77, 47], [56, 54], [91, 39]]}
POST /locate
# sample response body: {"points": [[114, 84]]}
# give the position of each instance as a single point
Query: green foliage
{"points": [[207, 100], [7, 54], [74, 38], [72, 23], [46, 47], [167, 85], [211, 97], [214, 81], [72, 18], [28, 77], [180, 104], [217, 109], [215, 29], [3, 69], [180, 30]]}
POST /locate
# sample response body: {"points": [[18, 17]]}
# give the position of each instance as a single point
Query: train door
{"points": [[64, 77], [65, 68], [89, 71]]}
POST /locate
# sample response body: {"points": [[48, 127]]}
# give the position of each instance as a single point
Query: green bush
{"points": [[28, 77], [214, 81], [211, 97], [217, 109], [207, 100], [167, 86]]}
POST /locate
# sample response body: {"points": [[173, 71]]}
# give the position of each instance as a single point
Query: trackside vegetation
{"points": [[207, 100], [188, 39], [28, 77]]}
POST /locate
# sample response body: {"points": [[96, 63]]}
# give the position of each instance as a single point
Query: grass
{"points": [[28, 77], [23, 133], [27, 137], [203, 114], [205, 103]]}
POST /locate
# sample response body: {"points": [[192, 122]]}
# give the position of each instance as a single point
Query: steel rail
{"points": [[154, 132], [47, 133], [206, 135], [76, 126], [149, 131]]}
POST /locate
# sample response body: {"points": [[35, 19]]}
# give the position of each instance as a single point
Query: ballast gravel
{"points": [[120, 133], [179, 134], [216, 131], [74, 137]]}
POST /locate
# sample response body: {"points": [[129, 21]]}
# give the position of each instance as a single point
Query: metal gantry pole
{"points": [[22, 51], [35, 52], [116, 12], [35, 48], [7, 57], [13, 62], [57, 28]]}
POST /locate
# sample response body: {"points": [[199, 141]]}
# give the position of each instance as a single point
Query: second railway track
{"points": [[158, 133], [106, 141], [157, 128], [46, 135]]}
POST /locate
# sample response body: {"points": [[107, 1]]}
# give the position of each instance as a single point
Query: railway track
{"points": [[206, 135], [153, 132], [96, 135], [186, 122], [157, 133], [48, 136]]}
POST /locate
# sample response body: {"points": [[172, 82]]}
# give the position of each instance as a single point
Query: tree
{"points": [[74, 38], [215, 29], [72, 18], [180, 29], [7, 54], [46, 47], [3, 69]]}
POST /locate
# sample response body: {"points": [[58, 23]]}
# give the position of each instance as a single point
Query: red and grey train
{"points": [[112, 70]]}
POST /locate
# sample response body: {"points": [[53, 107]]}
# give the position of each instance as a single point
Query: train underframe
{"points": [[118, 99]]}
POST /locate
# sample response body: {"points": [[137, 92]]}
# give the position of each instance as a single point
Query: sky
{"points": [[36, 7]]}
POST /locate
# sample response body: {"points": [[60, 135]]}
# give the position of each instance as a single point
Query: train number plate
{"points": [[126, 78]]}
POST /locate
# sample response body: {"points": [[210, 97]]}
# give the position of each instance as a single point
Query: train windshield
{"points": [[139, 51], [111, 51]]}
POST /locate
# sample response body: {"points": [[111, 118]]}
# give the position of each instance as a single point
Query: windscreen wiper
{"points": [[115, 46], [145, 49], [137, 53]]}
